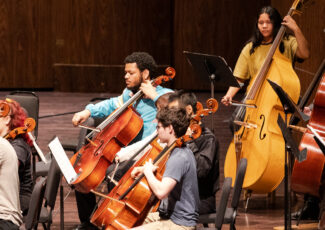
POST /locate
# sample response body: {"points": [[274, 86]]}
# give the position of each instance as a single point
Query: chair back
{"points": [[241, 171], [35, 203], [52, 184], [30, 102], [223, 202], [83, 132]]}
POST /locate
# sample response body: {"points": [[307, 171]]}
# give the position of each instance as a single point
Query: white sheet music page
{"points": [[61, 158]]}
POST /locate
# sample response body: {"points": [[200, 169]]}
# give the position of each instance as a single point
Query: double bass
{"points": [[118, 130], [128, 204], [307, 175], [259, 138]]}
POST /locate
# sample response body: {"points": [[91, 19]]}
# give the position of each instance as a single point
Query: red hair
{"points": [[17, 117]]}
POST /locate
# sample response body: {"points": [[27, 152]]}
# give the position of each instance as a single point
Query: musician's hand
{"points": [[226, 100], [80, 117], [136, 172], [149, 167], [290, 23], [148, 90], [307, 111], [117, 159]]}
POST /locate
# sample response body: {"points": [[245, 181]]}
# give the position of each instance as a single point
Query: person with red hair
{"points": [[22, 145]]}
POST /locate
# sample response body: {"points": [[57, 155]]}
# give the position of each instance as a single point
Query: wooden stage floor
{"points": [[260, 214]]}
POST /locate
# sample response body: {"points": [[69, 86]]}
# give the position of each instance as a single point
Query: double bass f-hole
{"points": [[264, 135]]}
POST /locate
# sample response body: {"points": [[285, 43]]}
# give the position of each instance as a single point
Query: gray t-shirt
{"points": [[183, 201]]}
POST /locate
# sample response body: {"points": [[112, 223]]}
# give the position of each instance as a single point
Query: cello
{"points": [[259, 138], [128, 204], [306, 176], [116, 131]]}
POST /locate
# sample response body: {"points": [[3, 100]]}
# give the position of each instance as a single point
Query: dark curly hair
{"points": [[276, 20], [176, 117], [144, 61]]}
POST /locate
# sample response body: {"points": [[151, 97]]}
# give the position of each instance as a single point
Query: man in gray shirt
{"points": [[178, 188]]}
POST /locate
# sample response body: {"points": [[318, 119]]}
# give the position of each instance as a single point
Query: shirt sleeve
{"points": [[176, 166], [242, 69], [205, 157], [293, 46], [103, 108], [161, 91], [127, 152]]}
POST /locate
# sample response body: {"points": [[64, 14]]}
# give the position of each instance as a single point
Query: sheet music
{"points": [[61, 158]]}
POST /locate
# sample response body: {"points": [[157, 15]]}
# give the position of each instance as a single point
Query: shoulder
{"points": [[163, 90], [6, 149], [21, 147], [182, 154], [247, 48]]}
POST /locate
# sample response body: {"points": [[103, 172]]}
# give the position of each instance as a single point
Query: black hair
{"points": [[184, 99], [276, 21], [176, 117], [143, 61]]}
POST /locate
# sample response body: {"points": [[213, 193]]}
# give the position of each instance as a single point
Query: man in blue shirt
{"points": [[139, 68]]}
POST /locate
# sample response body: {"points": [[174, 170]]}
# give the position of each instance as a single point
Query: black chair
{"points": [[231, 212], [30, 102], [75, 145], [35, 203], [52, 185], [218, 217]]}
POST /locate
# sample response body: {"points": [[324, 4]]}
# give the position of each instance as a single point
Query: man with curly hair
{"points": [[139, 68]]}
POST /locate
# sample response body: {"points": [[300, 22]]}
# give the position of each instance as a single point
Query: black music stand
{"points": [[290, 146], [214, 68]]}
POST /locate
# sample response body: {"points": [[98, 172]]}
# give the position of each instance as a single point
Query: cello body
{"points": [[132, 209], [307, 175], [263, 146], [101, 151]]}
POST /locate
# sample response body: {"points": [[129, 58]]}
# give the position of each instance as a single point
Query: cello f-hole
{"points": [[264, 135]]}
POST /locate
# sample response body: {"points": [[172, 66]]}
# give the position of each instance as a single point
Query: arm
{"points": [[80, 117], [160, 188], [204, 157], [303, 48], [232, 91], [101, 109], [127, 152]]}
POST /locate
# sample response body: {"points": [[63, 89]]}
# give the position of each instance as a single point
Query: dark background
{"points": [[80, 45]]}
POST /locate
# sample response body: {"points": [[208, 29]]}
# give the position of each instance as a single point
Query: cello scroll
{"points": [[4, 109]]}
